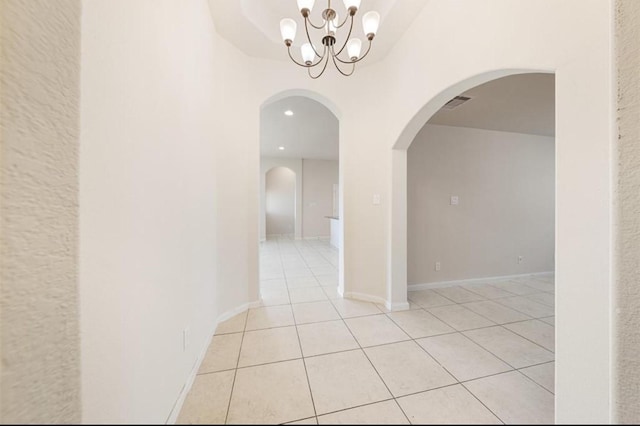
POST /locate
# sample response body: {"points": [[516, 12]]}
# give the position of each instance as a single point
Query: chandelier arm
{"points": [[306, 28], [347, 39], [345, 21], [338, 67], [359, 59], [321, 72], [306, 18], [305, 65]]}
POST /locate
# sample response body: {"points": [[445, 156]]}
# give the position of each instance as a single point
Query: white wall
{"points": [[39, 140], [165, 243], [280, 201], [505, 184], [318, 178]]}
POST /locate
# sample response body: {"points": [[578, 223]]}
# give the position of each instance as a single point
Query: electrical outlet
{"points": [[185, 339], [520, 259], [454, 200], [437, 266]]}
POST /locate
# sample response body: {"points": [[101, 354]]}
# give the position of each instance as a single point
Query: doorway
{"points": [[299, 216], [481, 239]]}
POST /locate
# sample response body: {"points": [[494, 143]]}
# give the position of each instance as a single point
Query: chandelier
{"points": [[311, 58]]}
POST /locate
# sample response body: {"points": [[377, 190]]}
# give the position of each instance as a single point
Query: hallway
{"points": [[481, 353]]}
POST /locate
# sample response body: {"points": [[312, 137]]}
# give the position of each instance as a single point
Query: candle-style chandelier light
{"points": [[311, 58]]}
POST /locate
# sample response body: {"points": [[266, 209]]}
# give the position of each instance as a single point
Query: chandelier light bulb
{"points": [[370, 22], [305, 4], [354, 46], [307, 53], [348, 4], [288, 30]]}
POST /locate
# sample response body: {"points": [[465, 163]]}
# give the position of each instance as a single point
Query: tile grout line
{"points": [[458, 382], [376, 370], [304, 363], [461, 332], [480, 401], [235, 372]]}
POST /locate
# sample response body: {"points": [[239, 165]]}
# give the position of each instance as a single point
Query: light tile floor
{"points": [[478, 353]]}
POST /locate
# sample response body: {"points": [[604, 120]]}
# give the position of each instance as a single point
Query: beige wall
{"points": [[280, 201], [505, 185], [318, 177], [39, 84], [627, 362]]}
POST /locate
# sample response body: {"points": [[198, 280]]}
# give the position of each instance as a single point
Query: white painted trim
{"points": [[439, 284], [364, 297], [322, 237], [255, 304], [177, 406], [231, 313], [402, 306]]}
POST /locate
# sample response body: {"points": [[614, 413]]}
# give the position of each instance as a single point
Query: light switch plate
{"points": [[454, 200], [376, 199]]}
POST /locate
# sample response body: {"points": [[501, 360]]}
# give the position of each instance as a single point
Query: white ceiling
{"points": [[253, 26], [523, 103], [311, 132]]}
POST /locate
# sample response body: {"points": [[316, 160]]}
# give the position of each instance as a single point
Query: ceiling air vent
{"points": [[455, 102]]}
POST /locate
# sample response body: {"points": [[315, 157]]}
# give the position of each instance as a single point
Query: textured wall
{"points": [[38, 166], [628, 247]]}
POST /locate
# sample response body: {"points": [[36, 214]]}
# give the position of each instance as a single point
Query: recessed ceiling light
{"points": [[288, 113], [281, 148]]}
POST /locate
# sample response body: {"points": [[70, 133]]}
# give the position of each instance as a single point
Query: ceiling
{"points": [[253, 26], [310, 133], [523, 103]]}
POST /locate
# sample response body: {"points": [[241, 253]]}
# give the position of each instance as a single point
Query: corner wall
{"points": [[627, 293], [39, 84]]}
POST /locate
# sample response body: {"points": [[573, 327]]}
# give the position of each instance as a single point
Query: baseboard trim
{"points": [[440, 284], [316, 238], [177, 406], [364, 297], [402, 306]]}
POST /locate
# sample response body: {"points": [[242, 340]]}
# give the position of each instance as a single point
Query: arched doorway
{"points": [[397, 283], [299, 130]]}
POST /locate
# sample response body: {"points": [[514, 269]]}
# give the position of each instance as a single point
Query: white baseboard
{"points": [[365, 297], [440, 284], [177, 406], [317, 238], [403, 306]]}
